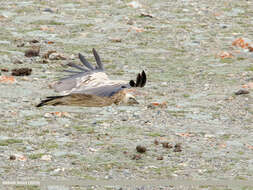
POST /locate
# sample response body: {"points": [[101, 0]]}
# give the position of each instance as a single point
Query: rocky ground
{"points": [[189, 122]]}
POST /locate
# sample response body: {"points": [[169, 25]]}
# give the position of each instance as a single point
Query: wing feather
{"points": [[85, 62], [80, 82], [144, 79], [77, 67], [94, 81], [138, 79], [68, 84], [76, 72], [99, 63]]}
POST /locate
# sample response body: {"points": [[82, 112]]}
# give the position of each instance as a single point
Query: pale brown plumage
{"points": [[86, 100], [91, 87]]}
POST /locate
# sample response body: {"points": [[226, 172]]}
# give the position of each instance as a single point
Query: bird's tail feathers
{"points": [[51, 100]]}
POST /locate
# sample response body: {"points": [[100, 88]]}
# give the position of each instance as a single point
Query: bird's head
{"points": [[129, 99]]}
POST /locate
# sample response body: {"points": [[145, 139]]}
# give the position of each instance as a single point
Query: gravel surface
{"points": [[190, 122]]}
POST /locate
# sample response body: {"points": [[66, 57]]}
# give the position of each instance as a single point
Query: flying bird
{"points": [[90, 86]]}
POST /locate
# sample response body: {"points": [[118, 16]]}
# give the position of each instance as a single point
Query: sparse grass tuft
{"points": [[10, 141]]}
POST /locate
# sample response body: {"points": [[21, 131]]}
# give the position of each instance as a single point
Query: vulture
{"points": [[90, 86]]}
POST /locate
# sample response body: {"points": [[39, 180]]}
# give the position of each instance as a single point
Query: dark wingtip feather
{"points": [[98, 60], [132, 83], [140, 80], [144, 79], [85, 62], [77, 67]]}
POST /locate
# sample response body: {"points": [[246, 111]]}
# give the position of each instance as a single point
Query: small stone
{"points": [[72, 56], [166, 145], [130, 22], [153, 105], [164, 84], [141, 149], [17, 62], [21, 45], [242, 91], [156, 142], [134, 4], [92, 149], [48, 10], [12, 157], [136, 116], [33, 52], [159, 158], [46, 55], [47, 115], [44, 61], [46, 158], [20, 157], [7, 79], [5, 70], [209, 136], [116, 40], [146, 15], [147, 122], [57, 56], [29, 148], [21, 72], [136, 157], [34, 41], [178, 148]]}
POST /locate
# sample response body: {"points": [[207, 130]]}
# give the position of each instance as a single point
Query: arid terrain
{"points": [[197, 54]]}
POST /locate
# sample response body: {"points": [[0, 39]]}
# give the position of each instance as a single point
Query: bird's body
{"points": [[91, 87], [85, 100]]}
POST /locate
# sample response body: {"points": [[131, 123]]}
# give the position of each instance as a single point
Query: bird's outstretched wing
{"points": [[82, 75], [107, 88], [90, 80]]}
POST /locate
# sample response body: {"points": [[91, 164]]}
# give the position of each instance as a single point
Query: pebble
{"points": [[156, 142], [166, 145], [21, 72], [34, 51], [209, 136], [12, 157], [136, 157], [242, 91], [141, 149], [178, 148]]}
